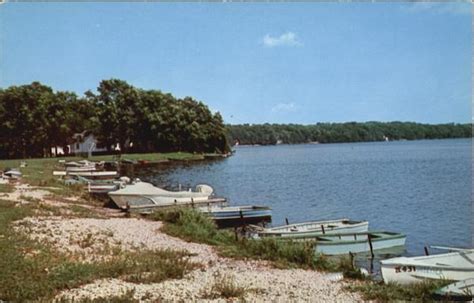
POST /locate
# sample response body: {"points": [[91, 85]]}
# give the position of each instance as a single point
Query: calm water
{"points": [[420, 188]]}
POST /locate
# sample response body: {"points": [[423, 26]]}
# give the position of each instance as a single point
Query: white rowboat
{"points": [[89, 174], [315, 228], [454, 266]]}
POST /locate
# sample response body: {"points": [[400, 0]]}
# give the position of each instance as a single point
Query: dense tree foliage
{"points": [[34, 118], [344, 132]]}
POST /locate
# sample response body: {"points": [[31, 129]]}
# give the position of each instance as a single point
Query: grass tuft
{"points": [[6, 188], [392, 292], [224, 287]]}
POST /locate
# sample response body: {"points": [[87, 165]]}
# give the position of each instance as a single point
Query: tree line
{"points": [[267, 134], [34, 118]]}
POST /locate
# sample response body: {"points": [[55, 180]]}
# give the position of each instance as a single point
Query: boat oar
{"points": [[448, 248]]}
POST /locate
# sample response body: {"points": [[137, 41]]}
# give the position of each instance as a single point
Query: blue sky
{"points": [[255, 62]]}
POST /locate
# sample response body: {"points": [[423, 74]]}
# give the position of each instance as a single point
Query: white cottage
{"points": [[84, 143]]}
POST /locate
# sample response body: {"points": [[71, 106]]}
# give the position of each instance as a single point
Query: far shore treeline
{"points": [[34, 118], [268, 134]]}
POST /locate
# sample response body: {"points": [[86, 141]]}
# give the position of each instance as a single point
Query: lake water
{"points": [[419, 188]]}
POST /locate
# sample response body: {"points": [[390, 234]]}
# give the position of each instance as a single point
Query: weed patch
{"points": [[6, 188], [192, 225], [380, 292], [225, 287], [33, 271]]}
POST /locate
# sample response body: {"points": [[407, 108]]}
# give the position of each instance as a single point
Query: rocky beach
{"points": [[98, 234]]}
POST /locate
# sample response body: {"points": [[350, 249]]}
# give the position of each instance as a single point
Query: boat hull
{"points": [[317, 228], [128, 201], [101, 188], [416, 269], [358, 243], [239, 216], [88, 174]]}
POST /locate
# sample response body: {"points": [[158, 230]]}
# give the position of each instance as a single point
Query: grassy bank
{"points": [[34, 271], [193, 226], [392, 292], [39, 172]]}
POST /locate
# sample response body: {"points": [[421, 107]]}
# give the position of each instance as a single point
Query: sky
{"points": [[255, 62]]}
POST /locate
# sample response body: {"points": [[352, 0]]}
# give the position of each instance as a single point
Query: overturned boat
{"points": [[142, 194], [314, 228], [236, 216], [455, 266]]}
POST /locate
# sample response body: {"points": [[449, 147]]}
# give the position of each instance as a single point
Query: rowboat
{"points": [[101, 188], [458, 291], [12, 173], [89, 174], [97, 186], [314, 228], [234, 216], [81, 168], [80, 163], [454, 266], [339, 244], [144, 194]]}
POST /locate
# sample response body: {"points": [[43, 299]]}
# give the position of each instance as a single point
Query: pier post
{"points": [[369, 237], [351, 256], [242, 218], [427, 253], [287, 222]]}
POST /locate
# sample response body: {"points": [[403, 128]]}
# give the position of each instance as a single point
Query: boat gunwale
{"points": [[420, 259], [317, 239], [316, 222]]}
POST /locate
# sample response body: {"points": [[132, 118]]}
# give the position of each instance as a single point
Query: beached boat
{"points": [[146, 194], [88, 174], [314, 228], [339, 244], [101, 188], [458, 291], [12, 173], [454, 266], [81, 169], [97, 186], [235, 216]]}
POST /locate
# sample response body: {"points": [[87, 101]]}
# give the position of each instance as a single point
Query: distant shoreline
{"points": [[274, 134], [318, 143]]}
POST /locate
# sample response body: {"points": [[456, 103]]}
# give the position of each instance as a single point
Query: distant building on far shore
{"points": [[84, 143], [81, 143]]}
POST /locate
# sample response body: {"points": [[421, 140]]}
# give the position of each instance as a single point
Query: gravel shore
{"points": [[90, 237]]}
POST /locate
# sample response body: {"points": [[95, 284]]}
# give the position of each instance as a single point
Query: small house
{"points": [[84, 143]]}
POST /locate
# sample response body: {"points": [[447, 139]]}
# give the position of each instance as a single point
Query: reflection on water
{"points": [[419, 188]]}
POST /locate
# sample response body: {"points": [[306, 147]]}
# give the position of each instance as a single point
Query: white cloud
{"points": [[284, 107], [440, 8], [285, 39]]}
